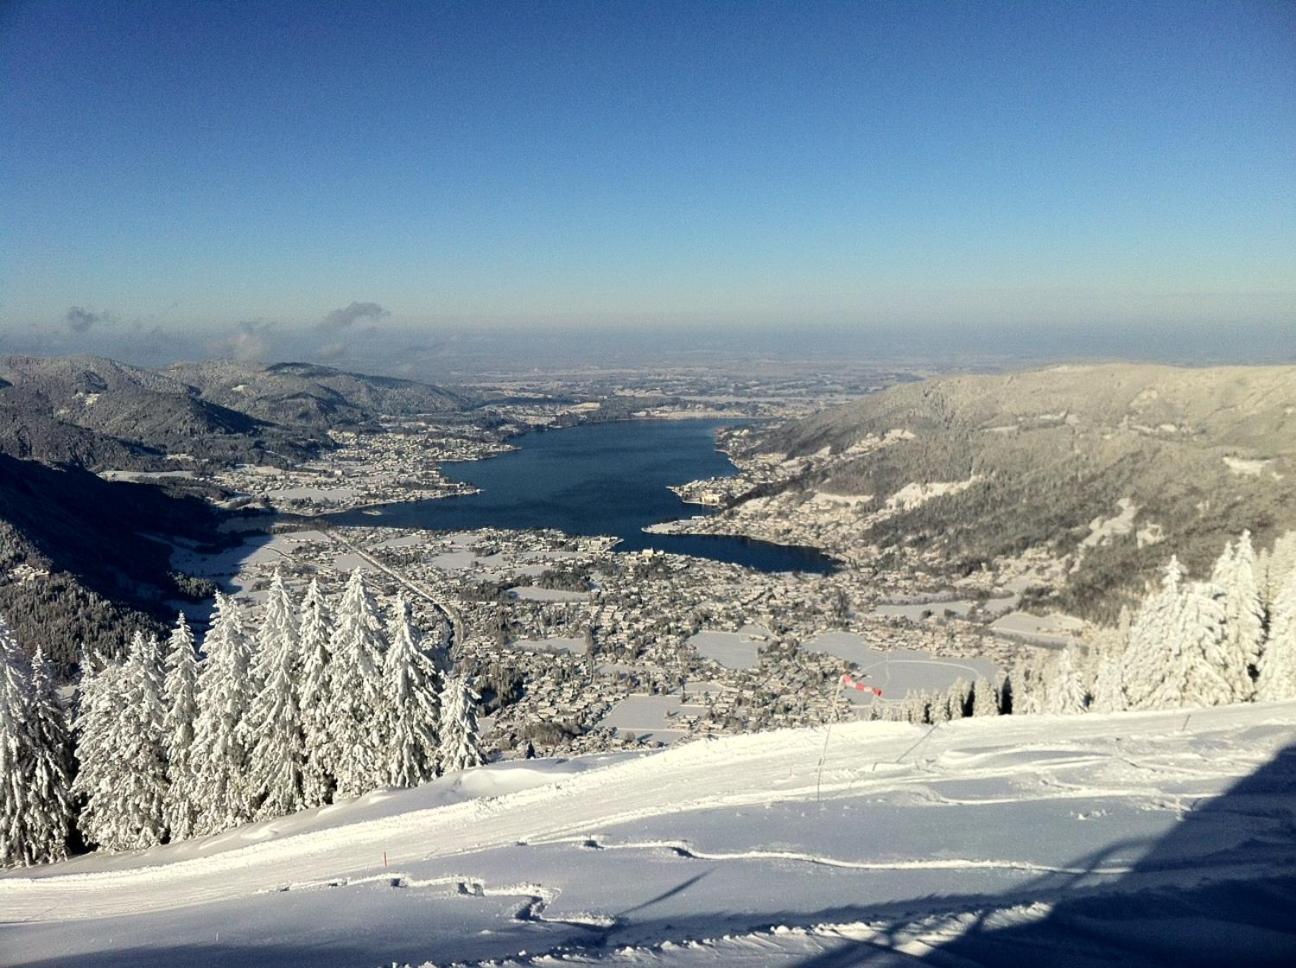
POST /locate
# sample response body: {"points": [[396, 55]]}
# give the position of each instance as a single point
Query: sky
{"points": [[184, 178]]}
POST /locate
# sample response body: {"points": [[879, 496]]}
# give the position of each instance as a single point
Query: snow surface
{"points": [[733, 650], [1133, 838], [649, 716]]}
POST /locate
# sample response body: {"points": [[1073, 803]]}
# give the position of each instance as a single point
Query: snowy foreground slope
{"points": [[1134, 838]]}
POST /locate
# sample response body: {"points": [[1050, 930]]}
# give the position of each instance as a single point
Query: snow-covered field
{"points": [[733, 650], [1134, 838]]}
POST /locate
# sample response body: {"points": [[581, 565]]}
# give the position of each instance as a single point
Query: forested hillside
{"points": [[81, 558], [308, 395], [103, 414], [100, 413], [1045, 459]]}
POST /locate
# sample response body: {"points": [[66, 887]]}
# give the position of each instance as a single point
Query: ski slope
{"points": [[1139, 838]]}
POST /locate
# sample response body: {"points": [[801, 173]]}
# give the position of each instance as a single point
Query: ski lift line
{"points": [[823, 755]]}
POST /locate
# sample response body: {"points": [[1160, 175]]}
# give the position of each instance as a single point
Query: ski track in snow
{"points": [[1148, 764], [682, 849]]}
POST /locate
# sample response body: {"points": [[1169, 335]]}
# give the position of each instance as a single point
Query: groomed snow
{"points": [[1137, 838]]}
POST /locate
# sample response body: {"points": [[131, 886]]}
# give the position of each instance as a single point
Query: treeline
{"points": [[319, 702], [1229, 638]]}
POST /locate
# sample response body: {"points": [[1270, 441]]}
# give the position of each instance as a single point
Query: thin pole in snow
{"points": [[827, 735]]}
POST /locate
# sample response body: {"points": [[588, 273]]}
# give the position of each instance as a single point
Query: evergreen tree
{"points": [[1278, 664], [357, 720], [959, 699], [984, 700], [181, 692], [918, 708], [1108, 688], [49, 796], [99, 702], [225, 693], [15, 752], [1210, 672], [460, 744], [277, 753], [1278, 563], [1235, 573], [145, 722], [1028, 692], [412, 689], [1065, 691], [315, 699], [1148, 677], [124, 769]]}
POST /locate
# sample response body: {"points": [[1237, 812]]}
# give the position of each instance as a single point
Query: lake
{"points": [[595, 479]]}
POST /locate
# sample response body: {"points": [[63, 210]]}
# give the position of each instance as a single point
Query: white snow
{"points": [[1053, 629], [916, 495], [651, 716], [1101, 530], [733, 650], [828, 499], [1123, 838]]}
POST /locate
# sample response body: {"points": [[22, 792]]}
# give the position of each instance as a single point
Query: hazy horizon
{"points": [[450, 355]]}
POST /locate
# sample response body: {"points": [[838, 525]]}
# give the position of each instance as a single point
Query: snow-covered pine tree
{"points": [[1028, 686], [1235, 573], [918, 708], [225, 693], [181, 699], [276, 744], [315, 698], [1212, 672], [15, 751], [49, 817], [1274, 565], [356, 697], [145, 747], [125, 781], [940, 707], [1278, 663], [1064, 691], [957, 698], [460, 744], [984, 700], [1108, 652], [99, 702], [1148, 678], [413, 706]]}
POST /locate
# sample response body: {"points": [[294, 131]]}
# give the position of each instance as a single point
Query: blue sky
{"points": [[201, 166]]}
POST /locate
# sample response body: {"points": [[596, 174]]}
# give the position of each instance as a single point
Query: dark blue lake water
{"points": [[595, 479]]}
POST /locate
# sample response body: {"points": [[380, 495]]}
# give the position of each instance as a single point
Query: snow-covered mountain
{"points": [[1132, 838], [969, 468]]}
